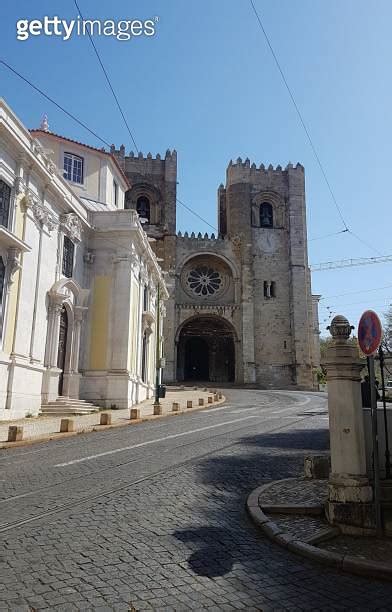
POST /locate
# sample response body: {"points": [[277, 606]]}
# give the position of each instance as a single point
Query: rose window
{"points": [[204, 281]]}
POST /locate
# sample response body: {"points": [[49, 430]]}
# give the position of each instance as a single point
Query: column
{"points": [[349, 492]]}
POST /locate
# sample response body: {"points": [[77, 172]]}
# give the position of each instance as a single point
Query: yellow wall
{"points": [[99, 323], [13, 295]]}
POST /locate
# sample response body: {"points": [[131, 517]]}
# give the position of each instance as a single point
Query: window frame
{"points": [[9, 210], [67, 265], [73, 158], [115, 193]]}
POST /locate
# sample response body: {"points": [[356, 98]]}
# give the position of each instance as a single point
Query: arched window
{"points": [[143, 207], [266, 215]]}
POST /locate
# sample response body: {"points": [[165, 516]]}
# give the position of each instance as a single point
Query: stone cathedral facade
{"points": [[240, 307]]}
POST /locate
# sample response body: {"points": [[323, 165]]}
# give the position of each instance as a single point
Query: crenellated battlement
{"points": [[198, 237], [120, 154], [245, 171], [138, 163]]}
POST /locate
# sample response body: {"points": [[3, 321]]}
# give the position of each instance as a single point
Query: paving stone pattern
{"points": [[178, 540]]}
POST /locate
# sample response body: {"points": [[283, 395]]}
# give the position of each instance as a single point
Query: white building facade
{"points": [[80, 286]]}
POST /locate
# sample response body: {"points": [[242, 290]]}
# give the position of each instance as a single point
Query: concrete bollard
{"points": [[67, 425], [216, 397], [15, 433], [175, 407], [201, 401], [220, 395], [189, 404], [134, 414], [106, 419], [210, 398], [158, 410]]}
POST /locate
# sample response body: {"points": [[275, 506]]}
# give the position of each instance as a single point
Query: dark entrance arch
{"points": [[62, 348], [206, 351]]}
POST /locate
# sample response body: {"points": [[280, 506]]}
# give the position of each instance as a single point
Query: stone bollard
{"points": [[189, 403], [134, 414], [158, 410], [67, 425], [106, 419], [216, 397], [15, 433], [175, 407], [209, 399], [220, 395], [201, 401], [349, 492]]}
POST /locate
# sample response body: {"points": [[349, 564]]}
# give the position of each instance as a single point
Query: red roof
{"points": [[82, 144]]}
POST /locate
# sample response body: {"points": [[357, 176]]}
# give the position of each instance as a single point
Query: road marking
{"points": [[169, 437]]}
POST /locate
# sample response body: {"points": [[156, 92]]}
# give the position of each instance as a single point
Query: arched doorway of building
{"points": [[206, 350], [62, 347]]}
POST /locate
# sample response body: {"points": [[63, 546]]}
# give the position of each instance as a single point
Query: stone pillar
{"points": [[349, 492], [120, 312]]}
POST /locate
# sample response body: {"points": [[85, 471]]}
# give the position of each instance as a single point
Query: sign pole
{"points": [[376, 464]]}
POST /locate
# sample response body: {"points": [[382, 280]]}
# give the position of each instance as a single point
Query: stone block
{"points": [[67, 425], [175, 407], [105, 419], [316, 466], [158, 410], [189, 404], [201, 401], [216, 397], [134, 414], [210, 399], [15, 433]]}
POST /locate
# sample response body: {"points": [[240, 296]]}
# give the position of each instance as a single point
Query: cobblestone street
{"points": [[153, 516]]}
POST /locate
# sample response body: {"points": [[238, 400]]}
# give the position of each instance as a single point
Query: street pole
{"points": [[376, 464], [387, 453], [158, 350]]}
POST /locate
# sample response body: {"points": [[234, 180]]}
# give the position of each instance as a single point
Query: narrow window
{"points": [[2, 291], [145, 299], [266, 215], [285, 344], [68, 257], [143, 208], [5, 199], [144, 358], [115, 193], [269, 289], [73, 168]]}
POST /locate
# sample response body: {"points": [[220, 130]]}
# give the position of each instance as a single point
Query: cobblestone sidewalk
{"points": [[291, 513], [47, 426]]}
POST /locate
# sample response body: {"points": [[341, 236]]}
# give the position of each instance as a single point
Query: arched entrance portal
{"points": [[206, 351]]}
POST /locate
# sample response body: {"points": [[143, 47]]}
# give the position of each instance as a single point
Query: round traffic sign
{"points": [[369, 332]]}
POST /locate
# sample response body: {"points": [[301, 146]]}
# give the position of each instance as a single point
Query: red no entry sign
{"points": [[369, 332]]}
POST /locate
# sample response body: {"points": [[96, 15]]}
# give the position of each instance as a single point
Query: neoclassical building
{"points": [[240, 308], [80, 286], [90, 261]]}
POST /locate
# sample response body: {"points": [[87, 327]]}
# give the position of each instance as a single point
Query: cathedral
{"points": [[240, 307], [101, 299]]}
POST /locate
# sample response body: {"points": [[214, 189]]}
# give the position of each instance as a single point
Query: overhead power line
{"points": [[306, 130], [330, 297], [108, 81], [83, 125], [348, 263], [196, 215]]}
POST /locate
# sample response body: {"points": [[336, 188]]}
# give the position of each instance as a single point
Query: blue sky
{"points": [[207, 85]]}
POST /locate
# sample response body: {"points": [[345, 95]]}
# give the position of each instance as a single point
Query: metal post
{"points": [[387, 453], [376, 465], [158, 350]]}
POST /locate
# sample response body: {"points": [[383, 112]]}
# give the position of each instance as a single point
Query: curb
{"points": [[346, 563], [52, 436]]}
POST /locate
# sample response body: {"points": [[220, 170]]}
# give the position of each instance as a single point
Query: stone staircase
{"points": [[64, 406]]}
